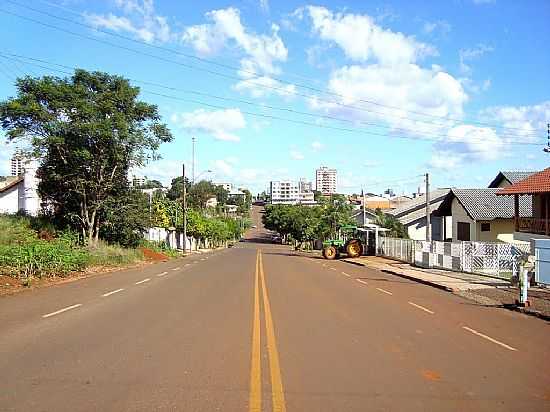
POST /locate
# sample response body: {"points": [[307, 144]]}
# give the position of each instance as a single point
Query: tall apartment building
{"points": [[325, 180], [305, 186], [17, 164], [138, 181], [225, 185], [285, 192]]}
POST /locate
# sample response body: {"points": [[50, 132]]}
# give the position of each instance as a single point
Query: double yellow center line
{"points": [[278, 396]]}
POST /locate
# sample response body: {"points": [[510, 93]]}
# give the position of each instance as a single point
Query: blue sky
{"points": [[457, 88]]}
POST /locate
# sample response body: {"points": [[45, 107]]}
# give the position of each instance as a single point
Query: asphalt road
{"points": [[261, 328]]}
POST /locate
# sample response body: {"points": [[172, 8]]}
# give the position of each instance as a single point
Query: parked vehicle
{"points": [[350, 243]]}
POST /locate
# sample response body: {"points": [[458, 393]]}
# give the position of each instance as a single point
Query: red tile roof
{"points": [[536, 183]]}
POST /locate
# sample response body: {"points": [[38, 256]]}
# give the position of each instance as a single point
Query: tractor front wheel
{"points": [[354, 248], [330, 253]]}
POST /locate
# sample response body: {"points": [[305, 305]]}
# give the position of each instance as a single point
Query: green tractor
{"points": [[349, 243]]}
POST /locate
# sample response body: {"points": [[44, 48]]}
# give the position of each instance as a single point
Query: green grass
{"points": [[23, 254]]}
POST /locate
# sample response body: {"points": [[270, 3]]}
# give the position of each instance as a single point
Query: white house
{"points": [[412, 215], [20, 193]]}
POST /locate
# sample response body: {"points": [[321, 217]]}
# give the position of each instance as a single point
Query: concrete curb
{"points": [[405, 276], [449, 289]]}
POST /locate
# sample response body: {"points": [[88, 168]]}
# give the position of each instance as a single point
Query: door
{"points": [[463, 231]]}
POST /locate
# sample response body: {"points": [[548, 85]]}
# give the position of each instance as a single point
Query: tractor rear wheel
{"points": [[330, 252], [354, 248]]}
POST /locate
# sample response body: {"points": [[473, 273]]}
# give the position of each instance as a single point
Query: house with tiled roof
{"points": [[480, 215], [505, 179], [20, 193], [534, 189], [412, 215]]}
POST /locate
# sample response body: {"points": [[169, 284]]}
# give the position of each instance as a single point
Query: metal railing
{"points": [[534, 225]]}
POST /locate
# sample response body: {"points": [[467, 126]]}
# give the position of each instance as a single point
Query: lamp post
{"points": [[201, 173]]}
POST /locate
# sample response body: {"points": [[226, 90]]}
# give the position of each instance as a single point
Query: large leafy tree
{"points": [[87, 131]]}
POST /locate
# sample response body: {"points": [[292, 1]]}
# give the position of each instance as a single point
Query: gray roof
{"points": [[436, 197], [512, 177], [484, 204]]}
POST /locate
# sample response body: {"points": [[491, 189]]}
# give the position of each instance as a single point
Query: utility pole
{"points": [[364, 208], [184, 211], [428, 224], [547, 147], [193, 160]]}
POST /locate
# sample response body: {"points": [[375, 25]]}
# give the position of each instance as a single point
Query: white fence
{"points": [[174, 239], [491, 259]]}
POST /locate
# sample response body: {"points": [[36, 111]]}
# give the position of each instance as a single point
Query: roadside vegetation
{"points": [[87, 131], [305, 224], [31, 247]]}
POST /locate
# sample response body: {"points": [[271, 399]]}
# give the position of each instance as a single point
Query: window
{"points": [[485, 227], [463, 231]]}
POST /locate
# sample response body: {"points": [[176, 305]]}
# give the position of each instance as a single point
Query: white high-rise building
{"points": [[285, 192], [305, 186], [17, 164], [138, 181], [325, 180], [225, 185]]}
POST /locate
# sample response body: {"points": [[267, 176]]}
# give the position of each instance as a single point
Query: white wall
{"points": [[9, 200], [459, 215]]}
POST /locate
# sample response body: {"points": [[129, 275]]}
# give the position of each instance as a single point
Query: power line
{"points": [[231, 67], [251, 81], [263, 106]]}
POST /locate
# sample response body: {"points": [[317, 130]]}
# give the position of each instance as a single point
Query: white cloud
{"points": [[140, 20], [262, 51], [473, 53], [446, 160], [317, 146], [296, 155], [523, 122], [223, 167], [221, 124], [161, 170], [264, 5], [408, 87], [474, 142], [441, 26], [362, 39], [264, 86]]}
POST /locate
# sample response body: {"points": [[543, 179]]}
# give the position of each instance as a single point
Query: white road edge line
{"points": [[178, 268], [188, 264], [143, 281], [332, 268], [421, 308], [57, 312], [112, 292], [345, 274], [475, 332], [361, 281], [384, 291], [162, 274]]}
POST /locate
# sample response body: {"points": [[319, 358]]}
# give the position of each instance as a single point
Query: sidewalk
{"points": [[483, 290], [443, 279]]}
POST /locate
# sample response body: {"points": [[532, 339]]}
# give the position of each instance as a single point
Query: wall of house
{"points": [[417, 229], [9, 200], [501, 230], [459, 215]]}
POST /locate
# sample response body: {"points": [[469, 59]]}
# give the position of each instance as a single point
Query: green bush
{"points": [[23, 254]]}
